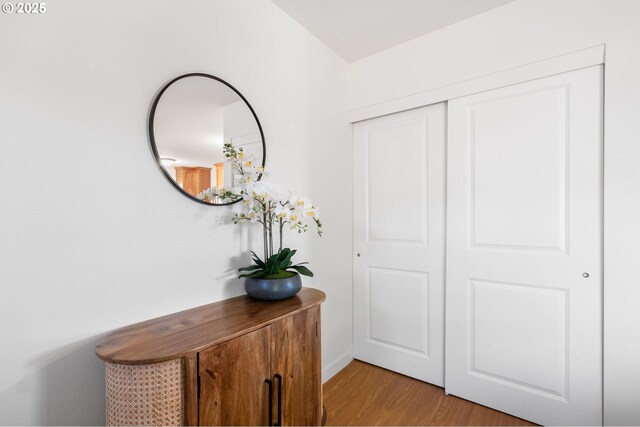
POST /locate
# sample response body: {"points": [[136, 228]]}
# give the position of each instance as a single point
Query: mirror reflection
{"points": [[194, 116]]}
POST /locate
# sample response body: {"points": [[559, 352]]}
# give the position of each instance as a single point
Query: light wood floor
{"points": [[363, 394]]}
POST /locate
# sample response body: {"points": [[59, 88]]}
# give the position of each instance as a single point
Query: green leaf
{"points": [[286, 262], [273, 258], [272, 264], [302, 270], [278, 261], [283, 254], [250, 268], [254, 274], [257, 259]]}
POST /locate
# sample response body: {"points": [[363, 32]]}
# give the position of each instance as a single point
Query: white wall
{"points": [[523, 32], [92, 237]]}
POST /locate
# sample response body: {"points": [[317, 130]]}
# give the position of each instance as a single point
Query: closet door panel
{"points": [[399, 224], [524, 249]]}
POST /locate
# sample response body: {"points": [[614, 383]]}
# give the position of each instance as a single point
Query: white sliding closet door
{"points": [[399, 234], [524, 249]]}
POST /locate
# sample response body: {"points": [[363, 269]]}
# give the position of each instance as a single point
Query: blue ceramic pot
{"points": [[273, 289]]}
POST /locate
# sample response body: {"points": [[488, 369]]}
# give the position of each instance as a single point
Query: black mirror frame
{"points": [[152, 139]]}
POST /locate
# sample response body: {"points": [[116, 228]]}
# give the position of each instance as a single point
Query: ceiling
{"points": [[358, 28]]}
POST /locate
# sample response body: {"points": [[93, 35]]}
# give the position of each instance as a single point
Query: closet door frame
{"points": [[545, 68]]}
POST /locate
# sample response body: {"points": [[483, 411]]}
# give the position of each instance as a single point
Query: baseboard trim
{"points": [[336, 366]]}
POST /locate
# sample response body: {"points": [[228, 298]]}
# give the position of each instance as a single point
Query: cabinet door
{"points": [[295, 356], [232, 381]]}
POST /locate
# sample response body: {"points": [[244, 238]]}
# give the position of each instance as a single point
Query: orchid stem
{"points": [[270, 238], [264, 235]]}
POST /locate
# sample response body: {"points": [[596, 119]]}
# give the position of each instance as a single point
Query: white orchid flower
{"points": [[291, 201], [261, 187], [261, 201], [274, 193], [262, 172], [248, 202], [239, 209], [311, 212], [301, 202], [264, 190], [294, 216], [252, 215], [281, 212]]}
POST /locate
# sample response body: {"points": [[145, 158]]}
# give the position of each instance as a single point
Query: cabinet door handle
{"points": [[270, 401], [279, 378]]}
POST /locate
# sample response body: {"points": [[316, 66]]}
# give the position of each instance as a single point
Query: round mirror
{"points": [[191, 120]]}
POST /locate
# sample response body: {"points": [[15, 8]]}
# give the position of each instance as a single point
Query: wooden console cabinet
{"points": [[235, 362]]}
